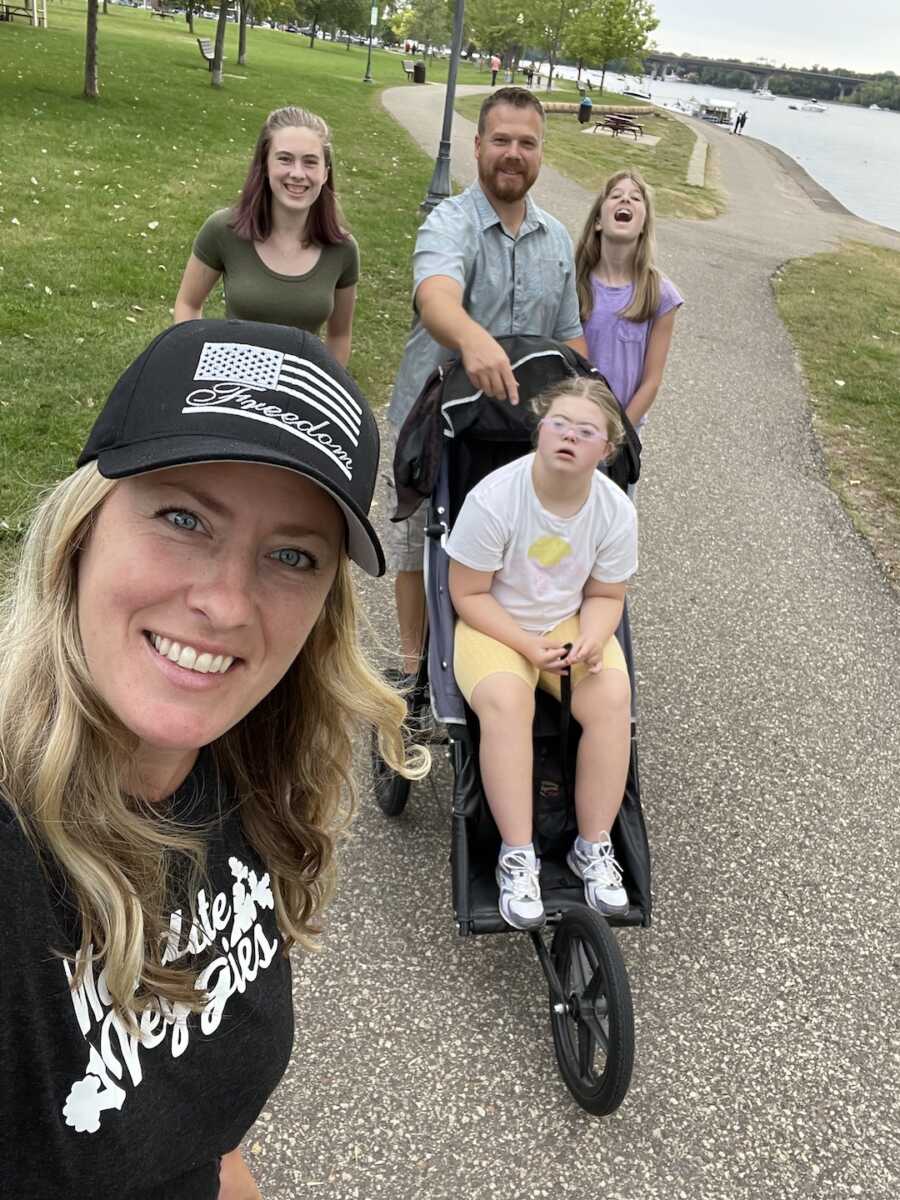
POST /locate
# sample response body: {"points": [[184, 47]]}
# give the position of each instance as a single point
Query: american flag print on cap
{"points": [[258, 368]]}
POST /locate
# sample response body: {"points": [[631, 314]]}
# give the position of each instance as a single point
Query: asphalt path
{"points": [[768, 657]]}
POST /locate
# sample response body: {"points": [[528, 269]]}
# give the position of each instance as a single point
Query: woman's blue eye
{"points": [[297, 559], [182, 519]]}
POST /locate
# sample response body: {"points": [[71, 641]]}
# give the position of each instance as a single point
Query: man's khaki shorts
{"points": [[403, 542]]}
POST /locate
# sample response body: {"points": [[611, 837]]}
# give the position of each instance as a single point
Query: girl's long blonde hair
{"points": [[589, 252], [64, 755]]}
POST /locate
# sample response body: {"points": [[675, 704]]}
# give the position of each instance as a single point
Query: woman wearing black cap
{"points": [[180, 681]]}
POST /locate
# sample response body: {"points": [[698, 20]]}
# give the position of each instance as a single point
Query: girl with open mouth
{"points": [[627, 305]]}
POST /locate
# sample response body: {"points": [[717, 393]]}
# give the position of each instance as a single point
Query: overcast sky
{"points": [[831, 33]]}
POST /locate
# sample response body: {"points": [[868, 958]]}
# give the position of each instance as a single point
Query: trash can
{"points": [[584, 109], [418, 72]]}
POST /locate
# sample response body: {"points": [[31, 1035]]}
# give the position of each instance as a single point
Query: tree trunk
{"points": [[189, 17], [91, 77], [242, 35], [218, 75], [312, 35], [105, 7]]}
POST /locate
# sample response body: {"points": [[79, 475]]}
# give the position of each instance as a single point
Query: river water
{"points": [[852, 151]]}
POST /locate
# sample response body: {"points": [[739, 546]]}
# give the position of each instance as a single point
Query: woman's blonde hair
{"points": [[589, 252], [583, 388], [64, 756]]}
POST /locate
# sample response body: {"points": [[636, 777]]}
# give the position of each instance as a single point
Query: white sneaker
{"points": [[602, 877], [518, 876]]}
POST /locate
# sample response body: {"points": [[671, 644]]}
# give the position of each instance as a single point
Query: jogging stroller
{"points": [[451, 440]]}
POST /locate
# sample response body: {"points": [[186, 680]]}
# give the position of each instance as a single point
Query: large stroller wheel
{"points": [[391, 790], [593, 1029]]}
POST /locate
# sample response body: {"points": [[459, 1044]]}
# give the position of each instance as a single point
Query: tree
{"points": [[274, 10], [605, 30], [495, 25], [546, 23], [313, 12], [425, 21], [351, 16], [91, 76], [244, 5], [218, 77]]}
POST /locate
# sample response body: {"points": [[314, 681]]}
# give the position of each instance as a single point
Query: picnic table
{"points": [[619, 123]]}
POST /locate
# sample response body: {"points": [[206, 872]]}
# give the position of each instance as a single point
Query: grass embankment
{"points": [[843, 312], [589, 158], [100, 202]]}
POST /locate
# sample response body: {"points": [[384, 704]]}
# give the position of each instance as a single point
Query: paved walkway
{"points": [[768, 650]]}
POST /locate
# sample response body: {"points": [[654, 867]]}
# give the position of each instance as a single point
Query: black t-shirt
{"points": [[85, 1109]]}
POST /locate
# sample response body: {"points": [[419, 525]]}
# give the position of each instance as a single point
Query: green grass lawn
{"points": [[843, 312], [589, 158], [100, 202]]}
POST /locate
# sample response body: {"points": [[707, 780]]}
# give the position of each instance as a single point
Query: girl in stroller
{"points": [[540, 556]]}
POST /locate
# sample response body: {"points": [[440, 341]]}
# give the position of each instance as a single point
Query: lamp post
{"points": [[439, 188], [373, 21]]}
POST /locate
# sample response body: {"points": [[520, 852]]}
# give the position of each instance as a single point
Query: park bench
{"points": [[408, 67], [8, 12], [206, 49], [162, 12], [582, 89]]}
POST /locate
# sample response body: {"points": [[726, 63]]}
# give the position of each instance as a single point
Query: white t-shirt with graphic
{"points": [[541, 562]]}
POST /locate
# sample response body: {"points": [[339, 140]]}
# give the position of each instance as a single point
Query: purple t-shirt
{"points": [[617, 347]]}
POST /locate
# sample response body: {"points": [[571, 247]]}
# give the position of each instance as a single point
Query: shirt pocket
{"points": [[631, 331]]}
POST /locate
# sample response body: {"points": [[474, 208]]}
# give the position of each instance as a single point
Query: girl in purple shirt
{"points": [[627, 305]]}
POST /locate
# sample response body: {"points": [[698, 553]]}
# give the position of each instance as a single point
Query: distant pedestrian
{"points": [[742, 121], [495, 67], [627, 305]]}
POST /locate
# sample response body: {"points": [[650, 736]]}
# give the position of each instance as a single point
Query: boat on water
{"points": [[763, 94], [688, 107], [875, 108], [812, 106], [719, 112], [637, 90]]}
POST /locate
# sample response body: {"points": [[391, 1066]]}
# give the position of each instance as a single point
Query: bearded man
{"points": [[487, 263]]}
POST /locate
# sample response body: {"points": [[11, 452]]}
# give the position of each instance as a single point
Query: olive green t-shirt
{"points": [[254, 292]]}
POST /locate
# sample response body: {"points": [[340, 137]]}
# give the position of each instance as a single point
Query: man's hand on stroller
{"points": [[488, 366], [547, 655]]}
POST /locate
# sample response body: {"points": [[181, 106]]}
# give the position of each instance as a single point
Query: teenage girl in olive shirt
{"points": [[283, 250]]}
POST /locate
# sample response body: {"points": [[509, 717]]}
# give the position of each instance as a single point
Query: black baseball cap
{"points": [[242, 391]]}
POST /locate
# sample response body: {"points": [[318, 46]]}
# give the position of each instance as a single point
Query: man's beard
{"points": [[508, 188]]}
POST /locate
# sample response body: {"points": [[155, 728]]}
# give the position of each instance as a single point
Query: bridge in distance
{"points": [[657, 64]]}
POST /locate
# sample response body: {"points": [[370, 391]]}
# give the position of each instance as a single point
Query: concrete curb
{"points": [[696, 172]]}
